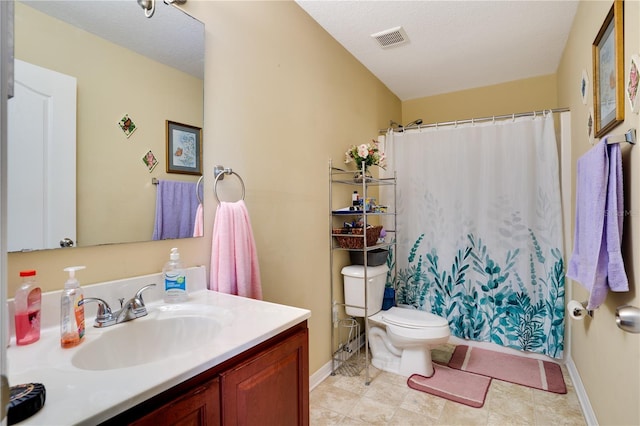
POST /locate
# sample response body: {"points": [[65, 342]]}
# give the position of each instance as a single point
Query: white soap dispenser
{"points": [[71, 311], [175, 281]]}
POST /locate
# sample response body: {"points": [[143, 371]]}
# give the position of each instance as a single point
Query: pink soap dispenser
{"points": [[27, 309]]}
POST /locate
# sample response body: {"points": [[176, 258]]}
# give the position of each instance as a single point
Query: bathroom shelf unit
{"points": [[345, 179]]}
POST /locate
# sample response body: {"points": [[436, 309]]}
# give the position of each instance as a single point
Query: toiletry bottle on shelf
{"points": [[175, 281], [71, 312], [355, 197], [27, 308]]}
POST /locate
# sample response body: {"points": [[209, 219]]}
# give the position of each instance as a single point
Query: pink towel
{"points": [[597, 262], [234, 260], [198, 227]]}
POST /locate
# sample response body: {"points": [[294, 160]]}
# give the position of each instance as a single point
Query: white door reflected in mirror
{"points": [[41, 207]]}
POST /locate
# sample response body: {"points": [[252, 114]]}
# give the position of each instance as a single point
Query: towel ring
{"points": [[220, 172]]}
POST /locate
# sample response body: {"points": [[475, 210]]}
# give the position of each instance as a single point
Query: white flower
{"points": [[363, 151]]}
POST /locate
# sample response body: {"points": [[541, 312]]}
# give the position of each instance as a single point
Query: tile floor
{"points": [[346, 400]]}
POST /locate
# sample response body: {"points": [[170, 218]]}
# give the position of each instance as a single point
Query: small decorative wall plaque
{"points": [[150, 160], [584, 86], [634, 78], [127, 125]]}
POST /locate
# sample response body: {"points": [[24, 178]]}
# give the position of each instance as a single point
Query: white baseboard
{"points": [[325, 371], [322, 373], [583, 398]]}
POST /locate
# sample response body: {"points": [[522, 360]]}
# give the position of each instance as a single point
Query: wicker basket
{"points": [[351, 238]]}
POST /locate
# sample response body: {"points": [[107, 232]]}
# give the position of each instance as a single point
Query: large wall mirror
{"points": [[116, 79]]}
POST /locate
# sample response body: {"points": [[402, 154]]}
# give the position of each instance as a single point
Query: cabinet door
{"points": [[199, 407], [271, 388]]}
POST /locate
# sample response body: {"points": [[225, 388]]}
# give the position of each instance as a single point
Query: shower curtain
{"points": [[479, 230]]}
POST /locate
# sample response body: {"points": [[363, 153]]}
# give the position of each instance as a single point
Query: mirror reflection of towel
{"points": [[176, 206], [198, 227]]}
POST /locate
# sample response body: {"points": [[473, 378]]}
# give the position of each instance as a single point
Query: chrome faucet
{"points": [[132, 309]]}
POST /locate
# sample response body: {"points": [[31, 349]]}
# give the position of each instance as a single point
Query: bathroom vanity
{"points": [[268, 384], [217, 359]]}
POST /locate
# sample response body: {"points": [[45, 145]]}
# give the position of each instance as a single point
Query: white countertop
{"points": [[76, 396]]}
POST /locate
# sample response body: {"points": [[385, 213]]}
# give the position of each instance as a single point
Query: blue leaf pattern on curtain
{"points": [[479, 232]]}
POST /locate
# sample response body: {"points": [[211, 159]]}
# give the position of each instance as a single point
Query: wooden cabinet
{"points": [[266, 385], [198, 407], [271, 389]]}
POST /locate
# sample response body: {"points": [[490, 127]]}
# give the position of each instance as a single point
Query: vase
{"points": [[358, 176]]}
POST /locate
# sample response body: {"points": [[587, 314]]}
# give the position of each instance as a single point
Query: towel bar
{"points": [[629, 137], [155, 181]]}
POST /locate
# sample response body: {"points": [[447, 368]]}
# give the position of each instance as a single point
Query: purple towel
{"points": [[176, 206], [597, 262]]}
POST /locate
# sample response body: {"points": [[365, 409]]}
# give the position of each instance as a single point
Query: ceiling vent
{"points": [[391, 37]]}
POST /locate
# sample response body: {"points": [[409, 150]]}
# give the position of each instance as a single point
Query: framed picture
{"points": [[184, 149], [608, 72]]}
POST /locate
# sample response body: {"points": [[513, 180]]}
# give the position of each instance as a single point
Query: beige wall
{"points": [[607, 358], [281, 98], [531, 94], [112, 81]]}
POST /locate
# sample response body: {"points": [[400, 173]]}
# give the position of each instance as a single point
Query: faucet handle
{"points": [[138, 297], [104, 316]]}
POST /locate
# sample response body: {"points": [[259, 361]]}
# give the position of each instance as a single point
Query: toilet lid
{"points": [[413, 318]]}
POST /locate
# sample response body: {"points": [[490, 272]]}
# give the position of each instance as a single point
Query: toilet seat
{"points": [[412, 318]]}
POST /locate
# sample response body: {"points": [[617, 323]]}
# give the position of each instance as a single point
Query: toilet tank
{"points": [[353, 276]]}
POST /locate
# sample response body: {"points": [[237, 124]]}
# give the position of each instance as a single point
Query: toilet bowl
{"points": [[400, 339]]}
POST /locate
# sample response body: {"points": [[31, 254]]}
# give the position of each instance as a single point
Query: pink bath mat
{"points": [[534, 373], [455, 385]]}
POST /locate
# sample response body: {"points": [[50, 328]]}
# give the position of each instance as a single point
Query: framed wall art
{"points": [[184, 149], [608, 72]]}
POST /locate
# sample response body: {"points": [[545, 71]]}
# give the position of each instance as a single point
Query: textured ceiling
{"points": [[453, 45], [170, 36]]}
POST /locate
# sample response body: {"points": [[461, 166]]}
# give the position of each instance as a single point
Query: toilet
{"points": [[400, 339]]}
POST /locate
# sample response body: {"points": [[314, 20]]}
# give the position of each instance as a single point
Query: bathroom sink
{"points": [[146, 340]]}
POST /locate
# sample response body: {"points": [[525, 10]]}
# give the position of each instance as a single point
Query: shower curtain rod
{"points": [[477, 120]]}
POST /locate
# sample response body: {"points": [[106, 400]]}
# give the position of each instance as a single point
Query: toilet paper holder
{"points": [[628, 318], [578, 311]]}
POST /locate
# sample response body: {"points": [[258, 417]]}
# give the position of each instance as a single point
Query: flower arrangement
{"points": [[369, 154]]}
